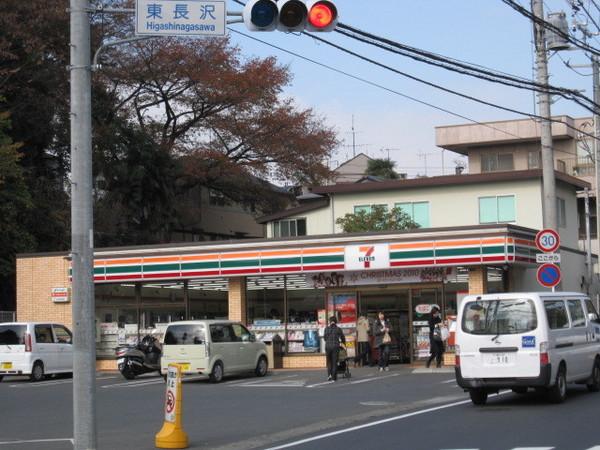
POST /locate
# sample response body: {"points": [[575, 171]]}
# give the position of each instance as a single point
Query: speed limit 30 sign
{"points": [[547, 240]]}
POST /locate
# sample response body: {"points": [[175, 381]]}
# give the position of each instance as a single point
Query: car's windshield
{"points": [[12, 334], [510, 316], [185, 335]]}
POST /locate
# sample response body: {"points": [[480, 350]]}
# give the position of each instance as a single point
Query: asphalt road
{"points": [[399, 409]]}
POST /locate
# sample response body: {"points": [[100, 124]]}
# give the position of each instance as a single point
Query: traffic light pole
{"points": [[82, 231]]}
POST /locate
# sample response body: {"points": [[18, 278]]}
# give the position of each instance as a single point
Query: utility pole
{"points": [[82, 230], [596, 81], [549, 181], [353, 138]]}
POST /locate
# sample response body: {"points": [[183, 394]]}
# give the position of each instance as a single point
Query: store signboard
{"points": [[60, 295], [361, 257], [377, 277]]}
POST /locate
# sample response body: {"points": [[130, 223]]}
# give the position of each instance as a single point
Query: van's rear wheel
{"points": [[594, 384], [261, 367], [558, 392], [520, 390], [37, 373], [478, 396], [216, 375], [1, 376]]}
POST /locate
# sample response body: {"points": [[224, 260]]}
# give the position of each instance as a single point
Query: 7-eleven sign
{"points": [[367, 257]]}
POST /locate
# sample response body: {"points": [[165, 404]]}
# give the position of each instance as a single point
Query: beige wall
{"points": [[317, 222], [449, 205], [35, 279]]}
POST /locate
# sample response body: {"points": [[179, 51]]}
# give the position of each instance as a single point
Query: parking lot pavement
{"points": [[239, 413]]}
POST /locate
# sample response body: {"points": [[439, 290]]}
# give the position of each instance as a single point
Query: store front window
{"points": [[285, 306], [208, 299]]}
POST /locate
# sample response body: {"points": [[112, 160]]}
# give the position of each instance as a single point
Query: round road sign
{"points": [[548, 275], [547, 240]]}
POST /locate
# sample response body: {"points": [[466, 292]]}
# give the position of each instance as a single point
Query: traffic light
{"points": [[290, 15]]}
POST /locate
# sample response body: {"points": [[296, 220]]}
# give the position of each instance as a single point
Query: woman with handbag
{"points": [[383, 339], [436, 341]]}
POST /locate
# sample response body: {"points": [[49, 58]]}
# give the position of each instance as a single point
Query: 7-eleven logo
{"points": [[364, 257], [368, 256]]}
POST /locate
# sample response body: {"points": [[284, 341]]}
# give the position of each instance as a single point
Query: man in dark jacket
{"points": [[435, 340], [334, 336]]}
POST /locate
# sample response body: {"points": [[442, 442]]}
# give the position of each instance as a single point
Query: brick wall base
{"points": [[304, 362]]}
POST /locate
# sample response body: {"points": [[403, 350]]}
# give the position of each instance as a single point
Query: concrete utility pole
{"points": [[596, 147], [549, 181], [82, 231]]}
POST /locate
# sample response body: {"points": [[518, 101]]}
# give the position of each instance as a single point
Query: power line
{"points": [[371, 83], [587, 13], [428, 83], [577, 42], [463, 68]]}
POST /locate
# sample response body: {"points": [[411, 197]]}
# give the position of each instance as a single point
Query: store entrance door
{"points": [[395, 305]]}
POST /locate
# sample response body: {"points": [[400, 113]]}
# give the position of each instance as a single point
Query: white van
{"points": [[213, 348], [35, 349], [527, 340]]}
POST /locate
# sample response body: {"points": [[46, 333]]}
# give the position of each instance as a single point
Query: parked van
{"points": [[214, 348], [527, 340], [35, 349]]}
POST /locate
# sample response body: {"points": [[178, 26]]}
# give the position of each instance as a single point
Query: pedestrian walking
{"points": [[436, 342], [334, 337], [383, 340], [362, 338]]}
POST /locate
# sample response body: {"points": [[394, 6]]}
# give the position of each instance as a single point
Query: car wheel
{"points": [[594, 384], [37, 373], [128, 373], [520, 390], [478, 396], [216, 375], [261, 367], [558, 392], [1, 376]]}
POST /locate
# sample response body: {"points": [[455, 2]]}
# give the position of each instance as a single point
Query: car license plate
{"points": [[498, 359], [7, 365], [120, 360], [185, 367]]}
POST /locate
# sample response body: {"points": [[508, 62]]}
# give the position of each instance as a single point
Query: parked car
{"points": [[213, 347], [527, 340], [35, 349]]}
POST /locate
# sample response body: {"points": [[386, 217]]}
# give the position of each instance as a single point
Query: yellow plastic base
{"points": [[171, 436]]}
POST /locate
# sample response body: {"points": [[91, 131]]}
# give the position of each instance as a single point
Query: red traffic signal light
{"points": [[322, 15], [290, 15]]}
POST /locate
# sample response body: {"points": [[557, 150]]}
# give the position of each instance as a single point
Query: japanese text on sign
{"points": [[171, 397], [180, 18]]}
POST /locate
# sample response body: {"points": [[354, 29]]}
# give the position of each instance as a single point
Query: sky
{"points": [[485, 32]]}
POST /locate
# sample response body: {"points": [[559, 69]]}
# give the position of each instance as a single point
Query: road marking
{"points": [[376, 403], [35, 441], [320, 384], [376, 423], [285, 384], [41, 384], [451, 380], [366, 380], [133, 384], [534, 448]]}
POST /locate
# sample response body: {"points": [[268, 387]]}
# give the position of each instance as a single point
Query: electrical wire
{"points": [[371, 83], [398, 48], [538, 20], [587, 13]]}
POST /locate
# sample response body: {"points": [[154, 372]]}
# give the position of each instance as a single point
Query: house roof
{"points": [[308, 206], [350, 161], [447, 180]]}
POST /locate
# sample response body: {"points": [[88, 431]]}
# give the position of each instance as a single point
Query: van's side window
{"points": [[556, 312], [577, 314], [241, 333], [63, 336], [591, 308], [43, 334], [222, 333]]}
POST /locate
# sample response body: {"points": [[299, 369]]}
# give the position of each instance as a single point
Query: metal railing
{"points": [[577, 167], [8, 316]]}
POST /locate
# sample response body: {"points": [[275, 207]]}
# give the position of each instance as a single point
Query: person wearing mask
{"points": [[383, 339], [334, 336], [362, 338], [436, 344]]}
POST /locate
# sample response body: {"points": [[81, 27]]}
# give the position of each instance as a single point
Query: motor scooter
{"points": [[138, 359]]}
